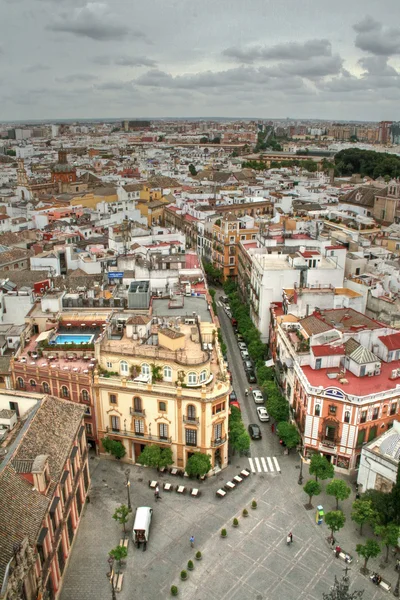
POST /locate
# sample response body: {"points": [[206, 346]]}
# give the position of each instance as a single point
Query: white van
{"points": [[141, 526]]}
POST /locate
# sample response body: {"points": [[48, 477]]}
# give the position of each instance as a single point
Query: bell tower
{"points": [[22, 178]]}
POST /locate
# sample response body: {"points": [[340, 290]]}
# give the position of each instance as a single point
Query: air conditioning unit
{"points": [[377, 372], [370, 374], [394, 374]]}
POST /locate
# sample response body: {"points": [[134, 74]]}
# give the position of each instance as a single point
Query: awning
{"points": [[44, 335], [269, 363]]}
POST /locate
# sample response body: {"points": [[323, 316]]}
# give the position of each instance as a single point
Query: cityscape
{"points": [[199, 302]]}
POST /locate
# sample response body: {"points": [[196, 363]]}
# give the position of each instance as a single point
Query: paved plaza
{"points": [[253, 562]]}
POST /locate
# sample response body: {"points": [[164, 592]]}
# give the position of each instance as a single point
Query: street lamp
{"points": [[111, 575], [396, 592], [300, 480], [128, 488]]}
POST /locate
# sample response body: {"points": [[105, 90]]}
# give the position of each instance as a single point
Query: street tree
{"points": [[119, 553], [371, 549], [156, 457], [363, 512], [335, 520], [288, 434], [243, 442], [312, 488], [321, 467], [198, 464], [121, 515], [340, 591], [383, 505], [338, 489], [389, 535], [192, 170]]}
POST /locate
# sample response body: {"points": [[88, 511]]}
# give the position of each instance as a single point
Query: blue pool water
{"points": [[72, 339]]}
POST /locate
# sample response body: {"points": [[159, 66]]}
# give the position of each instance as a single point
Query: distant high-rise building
{"points": [[384, 131]]}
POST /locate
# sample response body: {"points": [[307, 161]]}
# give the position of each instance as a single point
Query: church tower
{"points": [[22, 178]]}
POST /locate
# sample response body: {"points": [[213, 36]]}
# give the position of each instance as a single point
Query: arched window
{"points": [[317, 410], [167, 374], [123, 366], [137, 404], [32, 383], [20, 383], [203, 376], [46, 387], [85, 395], [146, 369], [191, 412], [64, 391], [192, 378]]}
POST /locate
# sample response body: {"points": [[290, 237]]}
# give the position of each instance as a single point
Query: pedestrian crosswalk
{"points": [[264, 464]]}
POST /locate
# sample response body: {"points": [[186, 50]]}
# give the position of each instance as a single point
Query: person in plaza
{"points": [[157, 493], [192, 541], [246, 392], [337, 551], [273, 428]]}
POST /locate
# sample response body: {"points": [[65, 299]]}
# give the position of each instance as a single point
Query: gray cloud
{"points": [[125, 61], [288, 51], [35, 68], [77, 77], [93, 20], [367, 24], [374, 38]]}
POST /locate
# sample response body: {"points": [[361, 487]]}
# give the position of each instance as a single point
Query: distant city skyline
{"points": [[73, 59]]}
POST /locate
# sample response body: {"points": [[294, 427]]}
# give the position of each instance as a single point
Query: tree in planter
{"points": [[312, 488], [289, 434], [118, 554], [335, 520], [363, 512], [338, 489], [156, 373], [156, 457], [321, 467], [198, 464], [389, 535], [121, 515], [371, 549], [113, 447], [192, 170]]}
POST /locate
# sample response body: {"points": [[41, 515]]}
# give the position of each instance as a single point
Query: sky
{"points": [[302, 59]]}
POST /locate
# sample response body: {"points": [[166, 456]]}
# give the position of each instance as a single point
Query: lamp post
{"points": [[300, 480], [396, 592], [111, 575], [128, 488]]}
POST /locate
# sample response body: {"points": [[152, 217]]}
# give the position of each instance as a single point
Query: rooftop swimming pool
{"points": [[70, 338]]}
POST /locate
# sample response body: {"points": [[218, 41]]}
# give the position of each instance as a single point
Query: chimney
{"points": [[41, 473]]}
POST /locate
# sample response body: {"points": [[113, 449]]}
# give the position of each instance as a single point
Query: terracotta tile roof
{"points": [[327, 350], [312, 325]]}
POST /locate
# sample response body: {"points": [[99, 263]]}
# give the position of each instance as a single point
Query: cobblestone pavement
{"points": [[253, 562]]}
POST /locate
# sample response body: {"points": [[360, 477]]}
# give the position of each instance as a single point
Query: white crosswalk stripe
{"points": [[264, 464]]}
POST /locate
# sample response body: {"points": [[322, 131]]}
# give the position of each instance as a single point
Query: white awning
{"points": [[44, 335], [269, 363]]}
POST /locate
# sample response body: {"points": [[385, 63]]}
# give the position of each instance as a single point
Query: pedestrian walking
{"points": [[192, 541], [246, 392], [337, 551], [291, 537], [157, 493], [273, 428]]}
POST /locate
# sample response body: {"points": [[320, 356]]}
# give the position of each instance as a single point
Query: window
{"points": [[89, 429], [163, 431], [191, 437], [167, 374], [347, 416], [20, 383], [139, 427], [317, 411], [14, 406], [123, 366], [231, 239], [191, 412], [64, 391], [32, 383], [192, 378], [332, 409], [85, 396], [375, 414], [46, 387], [137, 404], [330, 433], [288, 391], [109, 365], [372, 433], [146, 370], [112, 398], [218, 431], [318, 363], [162, 406], [242, 237], [203, 376], [115, 423], [362, 370], [231, 260], [217, 408], [363, 416], [393, 408], [358, 270]]}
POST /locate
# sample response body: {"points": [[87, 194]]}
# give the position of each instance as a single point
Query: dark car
{"points": [[248, 365], [251, 377], [254, 431], [232, 396]]}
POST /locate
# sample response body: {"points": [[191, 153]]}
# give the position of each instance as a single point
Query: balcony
{"points": [[191, 420], [139, 436], [137, 413], [218, 441]]}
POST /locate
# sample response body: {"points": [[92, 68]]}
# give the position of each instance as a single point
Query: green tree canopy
{"points": [[198, 464], [121, 515], [118, 554], [371, 549], [335, 520], [113, 447], [321, 467], [367, 162], [312, 488], [389, 535], [192, 170], [382, 503], [338, 489], [363, 512], [156, 457], [289, 434]]}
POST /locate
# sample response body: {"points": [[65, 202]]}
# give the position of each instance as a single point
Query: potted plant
{"points": [[174, 590], [245, 512], [184, 575], [190, 565], [198, 555], [253, 504], [235, 522], [224, 533]]}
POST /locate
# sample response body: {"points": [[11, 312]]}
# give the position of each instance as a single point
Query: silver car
{"points": [[258, 397], [262, 413]]}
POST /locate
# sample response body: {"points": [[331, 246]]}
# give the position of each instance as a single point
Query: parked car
{"points": [[224, 299], [251, 377], [254, 431], [239, 338], [242, 346], [234, 322], [245, 354], [262, 413], [258, 397], [248, 365], [235, 403], [232, 396]]}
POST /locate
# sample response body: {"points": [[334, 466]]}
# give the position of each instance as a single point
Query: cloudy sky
{"points": [[182, 58]]}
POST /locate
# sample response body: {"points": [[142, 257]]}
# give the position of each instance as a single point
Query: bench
{"points": [[195, 492], [343, 554], [220, 493], [118, 581], [237, 479], [244, 473], [124, 542], [229, 486], [180, 489], [167, 487], [153, 484], [385, 585]]}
